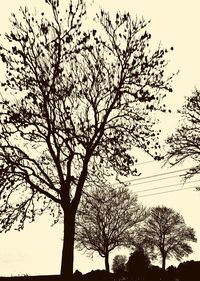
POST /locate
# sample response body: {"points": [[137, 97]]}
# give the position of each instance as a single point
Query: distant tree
{"points": [[137, 239], [106, 219], [185, 142], [138, 264], [165, 234], [119, 264], [74, 102]]}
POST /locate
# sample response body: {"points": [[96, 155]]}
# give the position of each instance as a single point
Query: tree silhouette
{"points": [[138, 265], [166, 234], [119, 264], [106, 219], [184, 144], [73, 105]]}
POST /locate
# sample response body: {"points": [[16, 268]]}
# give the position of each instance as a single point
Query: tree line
{"points": [[74, 102], [111, 218], [138, 268]]}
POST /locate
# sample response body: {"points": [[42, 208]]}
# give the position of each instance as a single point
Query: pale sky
{"points": [[37, 249]]}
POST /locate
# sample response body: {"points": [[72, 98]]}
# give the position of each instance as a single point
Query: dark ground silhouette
{"points": [[186, 271]]}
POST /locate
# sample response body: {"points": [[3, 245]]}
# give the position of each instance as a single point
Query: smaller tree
{"points": [[119, 264], [166, 234], [138, 265], [106, 219]]}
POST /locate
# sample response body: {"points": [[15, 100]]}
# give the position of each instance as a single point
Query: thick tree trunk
{"points": [[107, 262], [69, 210], [68, 246]]}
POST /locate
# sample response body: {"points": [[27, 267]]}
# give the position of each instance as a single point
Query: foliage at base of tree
{"points": [[137, 265], [119, 264], [186, 271]]}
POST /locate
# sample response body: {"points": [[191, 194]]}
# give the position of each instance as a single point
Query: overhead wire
{"points": [[165, 186], [146, 162], [169, 191], [151, 176], [139, 183], [135, 182]]}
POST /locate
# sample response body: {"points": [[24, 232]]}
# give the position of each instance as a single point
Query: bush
{"points": [[138, 265]]}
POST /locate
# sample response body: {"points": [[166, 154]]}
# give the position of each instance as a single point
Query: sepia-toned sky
{"points": [[37, 249]]}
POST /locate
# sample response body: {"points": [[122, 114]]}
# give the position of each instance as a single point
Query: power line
{"points": [[146, 162], [158, 175], [157, 193], [152, 176], [167, 191], [165, 186], [138, 183], [154, 180]]}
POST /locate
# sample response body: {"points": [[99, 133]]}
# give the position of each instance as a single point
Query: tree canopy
{"points": [[166, 234], [106, 219], [73, 104], [119, 264], [184, 143]]}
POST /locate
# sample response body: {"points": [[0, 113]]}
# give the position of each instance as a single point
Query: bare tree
{"points": [[73, 105], [184, 144], [166, 234], [106, 219]]}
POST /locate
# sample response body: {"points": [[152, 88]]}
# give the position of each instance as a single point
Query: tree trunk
{"points": [[68, 246], [69, 210], [107, 262], [163, 262]]}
